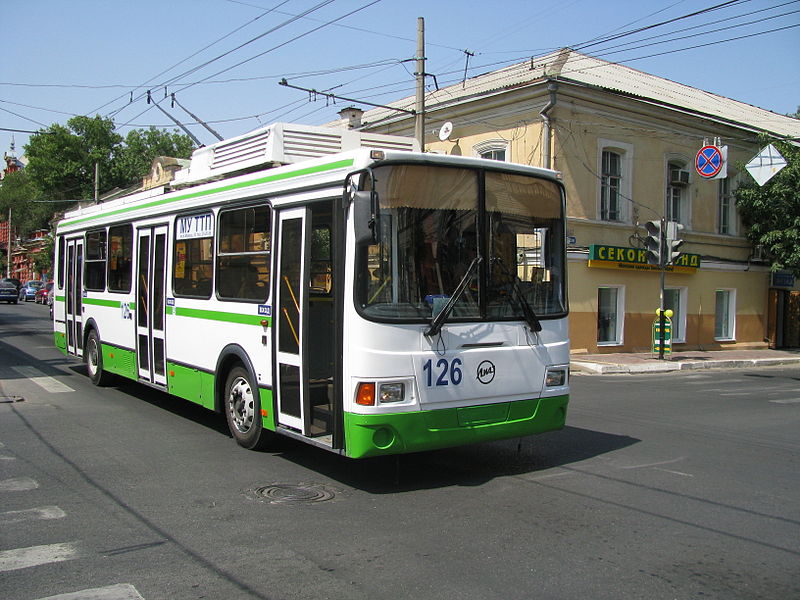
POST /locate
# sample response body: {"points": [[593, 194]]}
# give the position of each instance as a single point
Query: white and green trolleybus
{"points": [[337, 287]]}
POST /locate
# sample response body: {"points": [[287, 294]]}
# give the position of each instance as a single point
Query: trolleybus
{"points": [[373, 300]]}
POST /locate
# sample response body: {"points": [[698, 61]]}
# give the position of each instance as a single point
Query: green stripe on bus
{"points": [[99, 302], [226, 317], [225, 188]]}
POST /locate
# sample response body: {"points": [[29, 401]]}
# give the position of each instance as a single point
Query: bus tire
{"points": [[93, 357], [243, 410]]}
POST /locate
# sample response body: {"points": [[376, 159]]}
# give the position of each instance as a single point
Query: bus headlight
{"points": [[556, 376], [392, 392]]}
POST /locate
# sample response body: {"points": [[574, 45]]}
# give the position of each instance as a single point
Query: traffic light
{"points": [[673, 241], [653, 243]]}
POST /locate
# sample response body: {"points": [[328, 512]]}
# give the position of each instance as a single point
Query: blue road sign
{"points": [[709, 162]]}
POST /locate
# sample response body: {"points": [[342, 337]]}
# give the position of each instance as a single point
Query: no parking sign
{"points": [[711, 162]]}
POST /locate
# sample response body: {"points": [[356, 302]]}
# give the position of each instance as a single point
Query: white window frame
{"points": [[493, 145], [679, 320], [731, 308], [725, 190], [625, 152], [620, 326], [678, 161]]}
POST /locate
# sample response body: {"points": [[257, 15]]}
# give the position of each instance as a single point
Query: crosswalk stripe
{"points": [[45, 382], [121, 591], [22, 558], [18, 484], [31, 514]]}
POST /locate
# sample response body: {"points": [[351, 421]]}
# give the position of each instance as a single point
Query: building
{"points": [[625, 143]]}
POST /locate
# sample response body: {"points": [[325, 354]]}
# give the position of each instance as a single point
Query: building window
{"points": [[726, 222], [677, 203], [610, 180], [725, 315], [614, 169], [610, 313], [492, 149], [675, 300]]}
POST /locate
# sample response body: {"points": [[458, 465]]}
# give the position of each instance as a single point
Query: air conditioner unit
{"points": [[678, 177]]}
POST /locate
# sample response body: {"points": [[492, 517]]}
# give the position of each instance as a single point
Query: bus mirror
{"points": [[365, 214]]}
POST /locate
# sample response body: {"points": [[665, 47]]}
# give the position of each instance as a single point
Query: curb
{"points": [[596, 368]]}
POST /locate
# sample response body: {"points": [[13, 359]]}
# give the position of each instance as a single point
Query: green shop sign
{"points": [[635, 259]]}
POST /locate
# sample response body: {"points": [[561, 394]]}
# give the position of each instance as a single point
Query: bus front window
{"points": [[431, 231]]}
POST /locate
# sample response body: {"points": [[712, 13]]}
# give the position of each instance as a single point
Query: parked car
{"points": [[28, 291], [17, 283], [43, 294], [9, 292]]}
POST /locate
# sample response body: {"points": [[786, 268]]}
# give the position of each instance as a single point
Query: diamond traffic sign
{"points": [[766, 164]]}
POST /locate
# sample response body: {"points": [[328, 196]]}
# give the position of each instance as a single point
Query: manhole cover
{"points": [[283, 493]]}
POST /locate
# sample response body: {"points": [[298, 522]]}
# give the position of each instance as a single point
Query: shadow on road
{"points": [[471, 465]]}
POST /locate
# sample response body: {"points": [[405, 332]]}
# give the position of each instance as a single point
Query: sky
{"points": [[223, 59]]}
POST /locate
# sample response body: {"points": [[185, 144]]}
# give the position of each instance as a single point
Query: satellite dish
{"points": [[445, 131]]}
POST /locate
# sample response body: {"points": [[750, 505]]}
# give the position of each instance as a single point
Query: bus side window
{"points": [[120, 251], [243, 254], [95, 261]]}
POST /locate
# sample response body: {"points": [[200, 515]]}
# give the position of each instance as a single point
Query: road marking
{"points": [[32, 514], [50, 384], [655, 464], [673, 472], [121, 591], [786, 401], [18, 484], [22, 558]]}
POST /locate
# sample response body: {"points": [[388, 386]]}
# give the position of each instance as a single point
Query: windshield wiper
{"points": [[441, 317], [530, 316]]}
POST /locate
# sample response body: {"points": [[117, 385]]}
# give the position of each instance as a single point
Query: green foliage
{"points": [[28, 213], [61, 160], [772, 212], [143, 145]]}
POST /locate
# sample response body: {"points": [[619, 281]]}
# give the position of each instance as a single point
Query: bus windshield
{"points": [[435, 221]]}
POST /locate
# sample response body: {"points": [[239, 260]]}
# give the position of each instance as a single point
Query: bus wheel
{"points": [[93, 356], [243, 410]]}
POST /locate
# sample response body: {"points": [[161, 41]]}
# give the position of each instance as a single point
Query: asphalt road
{"points": [[685, 485]]}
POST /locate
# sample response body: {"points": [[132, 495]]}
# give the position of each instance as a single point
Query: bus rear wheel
{"points": [[93, 355], [243, 410]]}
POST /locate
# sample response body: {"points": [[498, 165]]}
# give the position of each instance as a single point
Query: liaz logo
{"points": [[486, 372]]}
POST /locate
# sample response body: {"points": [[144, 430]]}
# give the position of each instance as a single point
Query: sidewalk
{"points": [[679, 361]]}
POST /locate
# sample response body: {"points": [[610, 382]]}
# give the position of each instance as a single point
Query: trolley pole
{"points": [[419, 118]]}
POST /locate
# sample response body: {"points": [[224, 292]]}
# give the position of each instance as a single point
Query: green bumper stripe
{"points": [[225, 188], [226, 317], [374, 435]]}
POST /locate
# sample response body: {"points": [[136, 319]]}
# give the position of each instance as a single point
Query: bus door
{"points": [[151, 251], [73, 296], [290, 318]]}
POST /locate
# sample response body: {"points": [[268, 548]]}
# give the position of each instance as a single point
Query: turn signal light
{"points": [[365, 395]]}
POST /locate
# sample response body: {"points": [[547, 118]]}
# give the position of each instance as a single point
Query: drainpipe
{"points": [[552, 88]]}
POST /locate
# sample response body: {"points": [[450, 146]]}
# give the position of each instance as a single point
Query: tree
{"points": [[141, 146], [61, 160], [28, 211], [772, 211]]}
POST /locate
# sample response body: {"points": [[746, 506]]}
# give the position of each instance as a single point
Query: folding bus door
{"points": [[291, 318], [151, 249], [73, 296]]}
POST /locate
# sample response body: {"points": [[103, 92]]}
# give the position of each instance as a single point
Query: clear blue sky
{"points": [[92, 56]]}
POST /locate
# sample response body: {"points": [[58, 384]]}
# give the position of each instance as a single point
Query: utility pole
{"points": [[419, 118], [96, 182], [8, 262]]}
